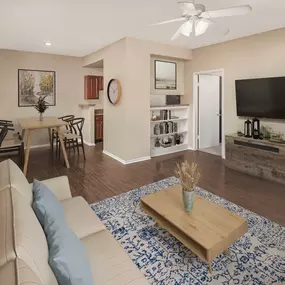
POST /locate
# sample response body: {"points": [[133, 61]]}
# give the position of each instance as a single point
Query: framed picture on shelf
{"points": [[165, 75], [35, 83]]}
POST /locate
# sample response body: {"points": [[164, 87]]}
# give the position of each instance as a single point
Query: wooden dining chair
{"points": [[11, 130], [54, 134], [11, 144], [74, 138]]}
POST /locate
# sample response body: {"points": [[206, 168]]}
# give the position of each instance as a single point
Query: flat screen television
{"points": [[263, 97]]}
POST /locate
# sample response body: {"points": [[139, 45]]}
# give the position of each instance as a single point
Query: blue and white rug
{"points": [[256, 258]]}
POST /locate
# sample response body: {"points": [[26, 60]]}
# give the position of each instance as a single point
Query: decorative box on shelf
{"points": [[168, 129]]}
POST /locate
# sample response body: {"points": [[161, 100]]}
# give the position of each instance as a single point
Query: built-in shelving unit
{"points": [[168, 129]]}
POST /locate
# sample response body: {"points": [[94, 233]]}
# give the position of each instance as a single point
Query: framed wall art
{"points": [[165, 75], [35, 83]]}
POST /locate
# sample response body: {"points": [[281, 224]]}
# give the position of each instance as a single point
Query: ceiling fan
{"points": [[197, 19]]}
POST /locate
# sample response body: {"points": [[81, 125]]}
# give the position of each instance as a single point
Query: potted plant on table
{"points": [[41, 106], [189, 177]]}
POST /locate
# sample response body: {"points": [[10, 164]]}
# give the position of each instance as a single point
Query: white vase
{"points": [[188, 199], [41, 116]]}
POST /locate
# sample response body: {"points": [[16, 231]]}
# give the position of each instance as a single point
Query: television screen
{"points": [[264, 97]]}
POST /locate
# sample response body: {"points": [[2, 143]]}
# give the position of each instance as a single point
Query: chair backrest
{"points": [[76, 125], [3, 133], [67, 117]]}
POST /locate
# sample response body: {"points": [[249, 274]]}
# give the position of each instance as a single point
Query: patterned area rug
{"points": [[256, 258]]}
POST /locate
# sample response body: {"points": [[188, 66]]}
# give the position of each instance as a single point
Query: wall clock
{"points": [[114, 91]]}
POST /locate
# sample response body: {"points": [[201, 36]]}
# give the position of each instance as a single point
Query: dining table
{"points": [[30, 124]]}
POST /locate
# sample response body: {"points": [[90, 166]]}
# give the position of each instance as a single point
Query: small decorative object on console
{"points": [[266, 132], [41, 106], [277, 138], [247, 129], [189, 177], [255, 128]]}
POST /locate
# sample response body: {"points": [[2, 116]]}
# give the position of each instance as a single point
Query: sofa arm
{"points": [[59, 186]]}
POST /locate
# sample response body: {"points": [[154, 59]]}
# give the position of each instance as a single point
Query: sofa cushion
{"points": [[11, 175], [46, 206], [26, 275], [4, 174], [67, 255], [109, 262], [7, 252], [80, 218], [8, 274], [30, 241]]}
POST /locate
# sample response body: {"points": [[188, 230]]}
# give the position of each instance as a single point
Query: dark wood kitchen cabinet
{"points": [[92, 86], [98, 128]]}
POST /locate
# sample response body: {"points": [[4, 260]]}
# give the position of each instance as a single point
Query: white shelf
{"points": [[182, 112], [161, 121], [162, 135], [178, 107], [167, 150]]}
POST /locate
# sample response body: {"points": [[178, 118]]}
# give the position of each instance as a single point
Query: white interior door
{"points": [[209, 111]]}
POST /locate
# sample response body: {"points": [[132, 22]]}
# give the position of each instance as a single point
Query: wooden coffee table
{"points": [[208, 231]]}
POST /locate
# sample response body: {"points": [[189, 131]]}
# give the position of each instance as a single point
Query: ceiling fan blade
{"points": [[185, 30], [202, 26], [187, 7], [169, 21], [233, 11]]}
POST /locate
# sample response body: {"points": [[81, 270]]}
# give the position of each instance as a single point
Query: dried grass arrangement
{"points": [[188, 175]]}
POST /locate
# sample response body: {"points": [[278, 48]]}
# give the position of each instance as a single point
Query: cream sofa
{"points": [[23, 247]]}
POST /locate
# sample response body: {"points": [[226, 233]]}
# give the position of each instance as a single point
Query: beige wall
{"points": [[251, 57], [115, 115], [69, 85]]}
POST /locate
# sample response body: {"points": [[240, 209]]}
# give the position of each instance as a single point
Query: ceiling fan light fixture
{"points": [[197, 20], [187, 28], [201, 26]]}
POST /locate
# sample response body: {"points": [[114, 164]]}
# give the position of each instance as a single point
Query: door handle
{"points": [[219, 115]]}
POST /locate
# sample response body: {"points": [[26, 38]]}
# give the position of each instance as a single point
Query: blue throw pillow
{"points": [[68, 258], [67, 255], [46, 206]]}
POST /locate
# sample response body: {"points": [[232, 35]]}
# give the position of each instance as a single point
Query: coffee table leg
{"points": [[210, 268]]}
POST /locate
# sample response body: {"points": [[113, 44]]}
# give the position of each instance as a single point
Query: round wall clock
{"points": [[114, 91]]}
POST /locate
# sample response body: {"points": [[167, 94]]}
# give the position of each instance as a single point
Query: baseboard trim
{"points": [[126, 161], [191, 148], [137, 160], [88, 143], [114, 156]]}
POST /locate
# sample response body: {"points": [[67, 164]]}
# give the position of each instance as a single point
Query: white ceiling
{"points": [[79, 27]]}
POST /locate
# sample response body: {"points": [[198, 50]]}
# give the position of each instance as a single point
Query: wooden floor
{"points": [[100, 177]]}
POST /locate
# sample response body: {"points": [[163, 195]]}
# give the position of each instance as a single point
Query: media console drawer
{"points": [[259, 158], [258, 146]]}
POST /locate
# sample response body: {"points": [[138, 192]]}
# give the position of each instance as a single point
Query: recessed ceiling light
{"points": [[47, 43]]}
